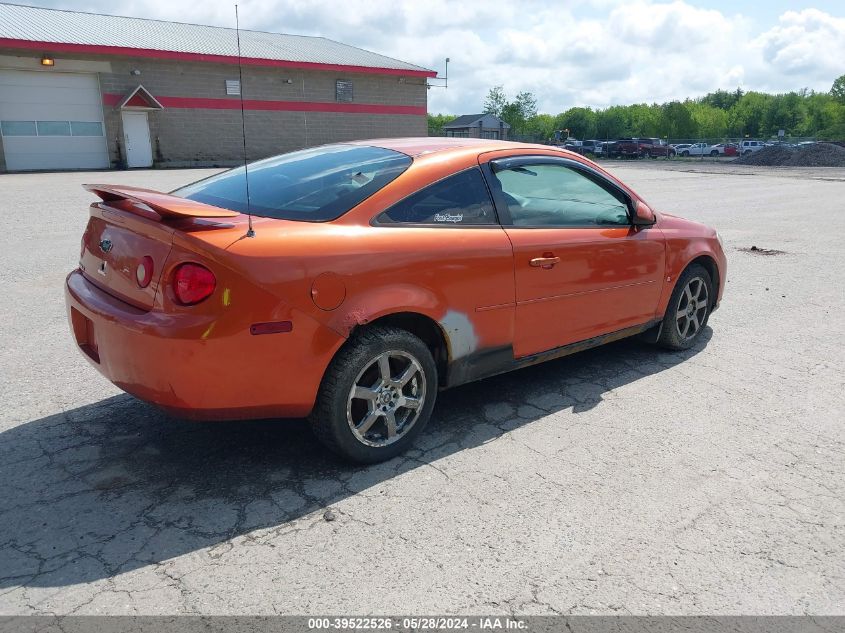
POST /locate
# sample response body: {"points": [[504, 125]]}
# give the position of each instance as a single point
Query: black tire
{"points": [[671, 334], [330, 418], [715, 152], [685, 153]]}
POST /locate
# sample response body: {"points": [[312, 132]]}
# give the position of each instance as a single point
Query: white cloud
{"points": [[808, 45], [597, 53]]}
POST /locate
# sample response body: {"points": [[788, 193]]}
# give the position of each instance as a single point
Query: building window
{"points": [[51, 128], [490, 134], [343, 91], [233, 87], [458, 133], [18, 128], [86, 128]]}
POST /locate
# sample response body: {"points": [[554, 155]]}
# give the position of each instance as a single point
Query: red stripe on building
{"points": [[282, 106], [126, 51]]}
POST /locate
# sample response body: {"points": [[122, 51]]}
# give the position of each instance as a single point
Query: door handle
{"points": [[545, 261]]}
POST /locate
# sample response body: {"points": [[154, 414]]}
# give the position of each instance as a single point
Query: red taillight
{"points": [[192, 283], [144, 271]]}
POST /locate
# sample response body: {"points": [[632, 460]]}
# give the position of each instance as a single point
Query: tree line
{"points": [[719, 114]]}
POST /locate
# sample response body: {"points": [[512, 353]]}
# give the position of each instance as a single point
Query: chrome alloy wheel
{"points": [[692, 308], [386, 398]]}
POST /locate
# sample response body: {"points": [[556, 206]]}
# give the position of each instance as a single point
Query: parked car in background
{"points": [[724, 149], [699, 149], [642, 148], [680, 146], [624, 148], [178, 301], [573, 145], [655, 147], [747, 147], [592, 147]]}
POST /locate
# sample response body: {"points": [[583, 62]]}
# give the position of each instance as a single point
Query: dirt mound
{"points": [[813, 155]]}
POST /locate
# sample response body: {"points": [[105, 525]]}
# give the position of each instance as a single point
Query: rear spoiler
{"points": [[163, 204]]}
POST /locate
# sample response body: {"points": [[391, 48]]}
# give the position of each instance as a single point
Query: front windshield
{"points": [[317, 184]]}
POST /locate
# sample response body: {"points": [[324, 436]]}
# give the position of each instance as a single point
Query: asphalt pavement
{"points": [[620, 480]]}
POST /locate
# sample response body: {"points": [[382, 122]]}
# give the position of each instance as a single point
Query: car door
{"points": [[582, 269]]}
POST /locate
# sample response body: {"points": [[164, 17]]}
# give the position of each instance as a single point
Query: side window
{"points": [[557, 195], [461, 199]]}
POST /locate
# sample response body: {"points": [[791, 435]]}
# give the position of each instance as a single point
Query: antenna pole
{"points": [[250, 232]]}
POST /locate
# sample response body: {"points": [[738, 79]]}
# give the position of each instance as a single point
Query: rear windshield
{"points": [[315, 184]]}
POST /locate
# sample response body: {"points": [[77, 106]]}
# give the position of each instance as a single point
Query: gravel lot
{"points": [[621, 480]]}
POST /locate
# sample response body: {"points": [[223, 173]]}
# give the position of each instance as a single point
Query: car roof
{"points": [[417, 146]]}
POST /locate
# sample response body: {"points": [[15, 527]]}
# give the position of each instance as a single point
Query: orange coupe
{"points": [[351, 282]]}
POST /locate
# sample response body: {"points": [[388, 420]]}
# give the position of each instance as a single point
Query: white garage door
{"points": [[51, 120]]}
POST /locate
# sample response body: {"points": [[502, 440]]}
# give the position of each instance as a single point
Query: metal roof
{"points": [[35, 24]]}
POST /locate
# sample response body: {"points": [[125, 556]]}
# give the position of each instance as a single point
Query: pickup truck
{"points": [[699, 149], [657, 147], [640, 148]]}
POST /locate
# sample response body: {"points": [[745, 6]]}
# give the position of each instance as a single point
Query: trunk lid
{"points": [[128, 226]]}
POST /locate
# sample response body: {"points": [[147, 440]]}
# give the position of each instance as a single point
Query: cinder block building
{"points": [[87, 91]]}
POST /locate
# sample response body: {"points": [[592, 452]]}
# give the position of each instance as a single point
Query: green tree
{"points": [[515, 113], [715, 115], [783, 112], [540, 127], [581, 122], [833, 133], [709, 121], [822, 112], [676, 121], [643, 120], [610, 123], [512, 115], [526, 102], [747, 115], [436, 123], [837, 90], [722, 99], [495, 101]]}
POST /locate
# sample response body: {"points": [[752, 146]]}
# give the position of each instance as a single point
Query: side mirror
{"points": [[643, 215]]}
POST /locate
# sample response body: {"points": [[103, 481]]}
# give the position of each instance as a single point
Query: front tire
{"points": [[688, 310], [377, 395]]}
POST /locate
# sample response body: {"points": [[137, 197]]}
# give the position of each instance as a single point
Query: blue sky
{"points": [[767, 11], [587, 53]]}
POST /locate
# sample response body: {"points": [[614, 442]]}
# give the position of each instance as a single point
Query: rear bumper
{"points": [[199, 365]]}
